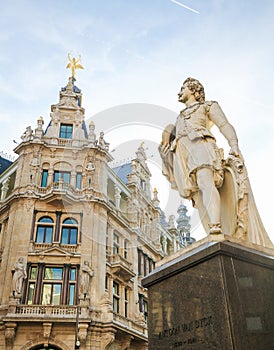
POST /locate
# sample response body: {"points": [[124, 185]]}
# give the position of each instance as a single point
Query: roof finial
{"points": [[74, 64]]}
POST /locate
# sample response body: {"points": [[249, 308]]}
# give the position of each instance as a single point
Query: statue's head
{"points": [[196, 88]]}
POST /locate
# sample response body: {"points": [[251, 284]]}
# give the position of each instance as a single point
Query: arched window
{"points": [[69, 231], [42, 347], [44, 230]]}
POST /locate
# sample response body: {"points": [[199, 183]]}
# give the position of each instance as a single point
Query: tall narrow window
{"points": [[106, 282], [44, 230], [145, 264], [44, 180], [126, 302], [78, 181], [141, 302], [116, 244], [140, 263], [151, 264], [116, 297], [143, 184], [125, 249], [66, 131], [52, 286], [31, 286], [72, 287], [145, 309], [69, 231], [108, 252], [64, 175]]}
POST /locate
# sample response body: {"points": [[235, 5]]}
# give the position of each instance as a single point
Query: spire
{"points": [[184, 226], [141, 154]]}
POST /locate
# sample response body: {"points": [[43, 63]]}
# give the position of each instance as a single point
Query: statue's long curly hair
{"points": [[197, 88]]}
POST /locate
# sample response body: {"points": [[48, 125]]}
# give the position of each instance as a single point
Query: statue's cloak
{"points": [[239, 215]]}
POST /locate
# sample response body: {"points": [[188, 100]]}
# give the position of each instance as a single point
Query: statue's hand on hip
{"points": [[234, 151]]}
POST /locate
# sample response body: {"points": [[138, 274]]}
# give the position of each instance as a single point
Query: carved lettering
{"points": [[186, 327]]}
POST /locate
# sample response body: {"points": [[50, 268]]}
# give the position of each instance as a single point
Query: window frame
{"points": [[44, 178], [126, 249], [126, 301], [62, 175], [39, 283], [116, 243], [71, 227], [116, 297], [66, 131], [44, 225]]}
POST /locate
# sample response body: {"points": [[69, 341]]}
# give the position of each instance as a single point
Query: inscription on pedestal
{"points": [[185, 332], [215, 299]]}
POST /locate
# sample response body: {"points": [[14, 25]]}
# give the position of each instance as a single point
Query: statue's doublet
{"points": [[195, 145]]}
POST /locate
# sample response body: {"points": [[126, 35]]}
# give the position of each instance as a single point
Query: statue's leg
{"points": [[210, 197]]}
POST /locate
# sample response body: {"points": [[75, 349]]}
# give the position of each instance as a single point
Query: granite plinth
{"points": [[218, 295]]}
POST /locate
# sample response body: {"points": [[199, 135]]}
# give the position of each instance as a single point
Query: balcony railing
{"points": [[129, 324], [121, 266], [36, 310]]}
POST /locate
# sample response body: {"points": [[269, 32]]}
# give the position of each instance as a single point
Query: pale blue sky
{"points": [[140, 52]]}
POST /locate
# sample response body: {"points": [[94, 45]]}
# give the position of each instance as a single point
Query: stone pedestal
{"points": [[216, 295]]}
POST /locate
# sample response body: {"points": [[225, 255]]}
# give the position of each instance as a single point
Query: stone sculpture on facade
{"points": [[27, 135], [18, 276], [86, 274], [195, 166]]}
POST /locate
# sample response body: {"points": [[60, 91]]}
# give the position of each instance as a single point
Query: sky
{"points": [[136, 54]]}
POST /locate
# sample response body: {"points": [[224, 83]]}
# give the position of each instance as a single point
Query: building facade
{"points": [[76, 238]]}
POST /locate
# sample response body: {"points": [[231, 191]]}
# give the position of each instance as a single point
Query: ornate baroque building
{"points": [[76, 237]]}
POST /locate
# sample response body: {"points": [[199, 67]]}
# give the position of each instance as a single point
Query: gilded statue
{"points": [[196, 168], [74, 64]]}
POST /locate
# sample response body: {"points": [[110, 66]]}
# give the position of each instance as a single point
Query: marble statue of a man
{"points": [[195, 166]]}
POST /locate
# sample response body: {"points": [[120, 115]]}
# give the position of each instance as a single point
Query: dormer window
{"points": [[143, 185], [66, 131]]}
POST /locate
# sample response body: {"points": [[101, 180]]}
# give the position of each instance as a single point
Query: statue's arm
{"points": [[166, 149], [219, 119], [168, 136]]}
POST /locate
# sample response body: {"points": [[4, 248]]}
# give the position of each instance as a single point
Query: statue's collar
{"points": [[186, 112]]}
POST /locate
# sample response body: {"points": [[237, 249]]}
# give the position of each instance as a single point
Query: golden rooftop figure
{"points": [[74, 64]]}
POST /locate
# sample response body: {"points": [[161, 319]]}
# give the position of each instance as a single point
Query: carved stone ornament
{"points": [[82, 333], [27, 135], [68, 102], [125, 343], [10, 328], [107, 339], [46, 333]]}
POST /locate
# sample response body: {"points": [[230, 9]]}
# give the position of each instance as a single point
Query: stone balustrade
{"points": [[58, 310]]}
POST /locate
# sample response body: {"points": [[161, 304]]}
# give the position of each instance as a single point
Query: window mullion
{"points": [[57, 226], [64, 295], [37, 295]]}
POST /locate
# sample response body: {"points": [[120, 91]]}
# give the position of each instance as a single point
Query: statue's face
{"points": [[184, 94]]}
